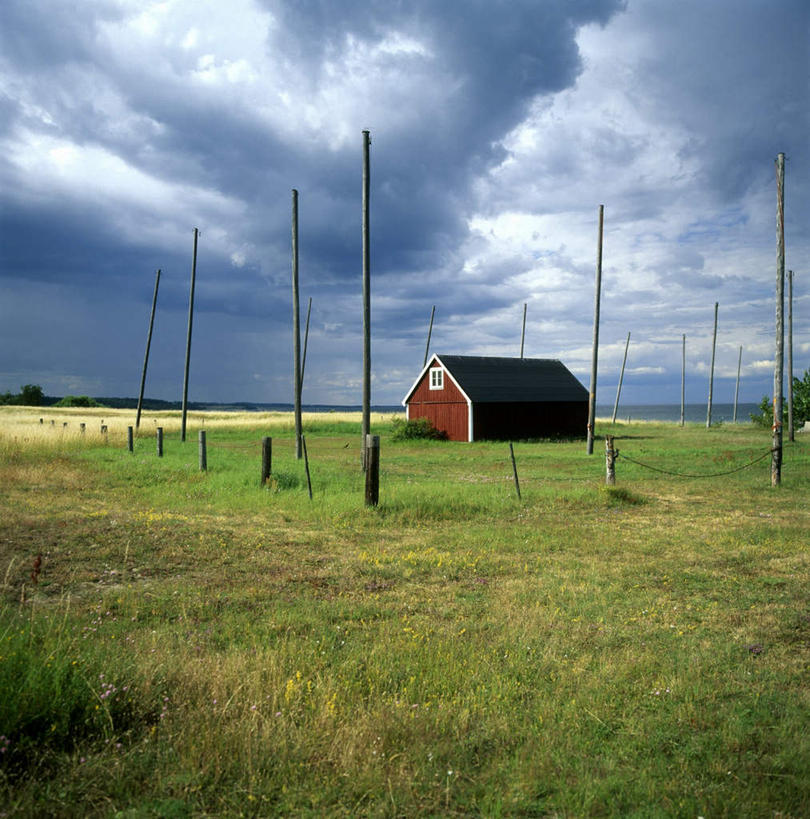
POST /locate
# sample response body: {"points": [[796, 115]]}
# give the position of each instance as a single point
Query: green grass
{"points": [[634, 651]]}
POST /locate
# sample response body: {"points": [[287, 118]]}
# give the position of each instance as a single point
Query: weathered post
{"points": [[159, 432], [610, 462], [711, 371], [737, 386], [306, 466], [430, 331], [366, 423], [683, 375], [595, 353], [514, 469], [791, 436], [82, 427], [203, 452], [523, 331], [130, 441], [146, 355], [621, 378], [41, 420], [104, 432], [372, 470], [188, 337], [296, 330], [267, 458], [779, 363]]}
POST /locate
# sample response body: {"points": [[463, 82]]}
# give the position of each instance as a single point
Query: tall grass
{"points": [[634, 651]]}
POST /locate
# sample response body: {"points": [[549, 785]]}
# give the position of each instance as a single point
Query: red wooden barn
{"points": [[474, 398]]}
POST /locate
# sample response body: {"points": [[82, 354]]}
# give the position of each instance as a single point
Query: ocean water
{"points": [[672, 412]]}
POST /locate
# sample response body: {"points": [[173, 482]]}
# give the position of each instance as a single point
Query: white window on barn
{"points": [[436, 378]]}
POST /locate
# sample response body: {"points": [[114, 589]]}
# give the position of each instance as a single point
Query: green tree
{"points": [[801, 405], [30, 395]]}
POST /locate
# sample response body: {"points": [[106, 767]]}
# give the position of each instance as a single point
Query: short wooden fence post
{"points": [[267, 458], [130, 442], [160, 442], [372, 470], [203, 452], [82, 428], [610, 462]]}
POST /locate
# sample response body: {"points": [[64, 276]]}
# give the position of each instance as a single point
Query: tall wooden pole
{"points": [[711, 371], [146, 355], [737, 386], [779, 363], [366, 423], [306, 342], [790, 357], [299, 453], [523, 331], [188, 337], [683, 375], [430, 331], [595, 354], [621, 378]]}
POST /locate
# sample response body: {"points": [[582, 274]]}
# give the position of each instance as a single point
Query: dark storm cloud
{"points": [[163, 144]]}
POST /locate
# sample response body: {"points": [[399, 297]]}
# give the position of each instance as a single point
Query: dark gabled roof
{"points": [[486, 379]]}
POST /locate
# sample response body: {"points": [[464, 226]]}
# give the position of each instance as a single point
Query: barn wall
{"points": [[424, 395], [450, 418], [529, 420]]}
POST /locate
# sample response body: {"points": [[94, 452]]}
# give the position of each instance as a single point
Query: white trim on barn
{"points": [[415, 384]]}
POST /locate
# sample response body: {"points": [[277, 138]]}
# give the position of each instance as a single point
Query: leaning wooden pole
{"points": [[188, 336], [299, 452], [790, 357], [711, 371], [523, 331], [737, 386], [779, 362], [366, 422], [683, 376], [146, 355], [430, 331], [621, 378], [595, 353], [306, 342]]}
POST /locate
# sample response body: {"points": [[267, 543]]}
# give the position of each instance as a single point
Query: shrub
{"points": [[418, 428], [77, 401]]}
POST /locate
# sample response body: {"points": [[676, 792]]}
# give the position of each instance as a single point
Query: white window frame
{"points": [[436, 375]]}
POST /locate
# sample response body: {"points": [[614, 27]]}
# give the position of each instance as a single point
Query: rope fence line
{"points": [[762, 457]]}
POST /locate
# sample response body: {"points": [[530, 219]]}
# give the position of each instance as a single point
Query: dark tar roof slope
{"points": [[486, 379]]}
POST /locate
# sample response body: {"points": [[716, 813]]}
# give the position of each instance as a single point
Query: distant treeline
{"points": [[31, 395]]}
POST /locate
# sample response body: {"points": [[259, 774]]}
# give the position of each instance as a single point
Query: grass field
{"points": [[195, 644]]}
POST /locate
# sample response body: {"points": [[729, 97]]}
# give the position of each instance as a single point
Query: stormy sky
{"points": [[498, 128]]}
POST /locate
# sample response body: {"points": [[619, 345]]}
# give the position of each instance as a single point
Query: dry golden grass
{"points": [[56, 426]]}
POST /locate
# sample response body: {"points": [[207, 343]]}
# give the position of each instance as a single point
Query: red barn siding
{"points": [[446, 408]]}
